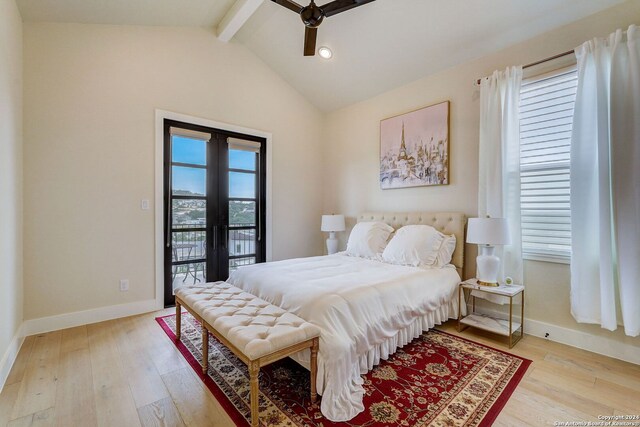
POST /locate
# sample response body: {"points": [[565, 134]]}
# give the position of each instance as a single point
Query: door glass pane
{"points": [[188, 213], [239, 262], [242, 242], [239, 159], [242, 185], [188, 274], [187, 245], [187, 181], [242, 213], [187, 150]]}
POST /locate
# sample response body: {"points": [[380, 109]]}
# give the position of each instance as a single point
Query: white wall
{"points": [[90, 96], [10, 179], [352, 154]]}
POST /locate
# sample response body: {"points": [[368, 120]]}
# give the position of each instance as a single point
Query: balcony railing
{"points": [[191, 246]]}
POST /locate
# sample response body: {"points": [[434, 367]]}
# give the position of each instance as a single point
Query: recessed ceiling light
{"points": [[325, 52]]}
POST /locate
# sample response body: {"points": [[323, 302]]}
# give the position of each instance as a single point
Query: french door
{"points": [[214, 204]]}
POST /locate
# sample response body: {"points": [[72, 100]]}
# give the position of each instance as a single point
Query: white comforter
{"points": [[358, 304]]}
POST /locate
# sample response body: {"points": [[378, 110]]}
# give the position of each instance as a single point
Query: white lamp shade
{"points": [[332, 223], [488, 231]]}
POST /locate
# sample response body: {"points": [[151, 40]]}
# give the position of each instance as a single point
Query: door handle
{"points": [[215, 237], [225, 237]]}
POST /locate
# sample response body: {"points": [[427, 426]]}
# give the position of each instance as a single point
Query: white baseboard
{"points": [[585, 341], [9, 357], [582, 340], [78, 318]]}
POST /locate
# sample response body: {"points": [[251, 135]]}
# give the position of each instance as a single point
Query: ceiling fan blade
{"points": [[339, 6], [291, 5], [310, 35]]}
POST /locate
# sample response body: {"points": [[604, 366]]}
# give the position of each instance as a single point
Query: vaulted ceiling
{"points": [[376, 47]]}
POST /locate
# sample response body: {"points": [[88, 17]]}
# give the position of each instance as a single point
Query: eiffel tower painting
{"points": [[414, 148]]}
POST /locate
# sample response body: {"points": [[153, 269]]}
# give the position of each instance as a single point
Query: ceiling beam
{"points": [[237, 16]]}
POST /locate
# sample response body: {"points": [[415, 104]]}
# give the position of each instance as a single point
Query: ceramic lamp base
{"points": [[488, 266], [332, 243]]}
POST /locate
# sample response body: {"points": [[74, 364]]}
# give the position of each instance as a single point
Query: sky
{"points": [[193, 151]]}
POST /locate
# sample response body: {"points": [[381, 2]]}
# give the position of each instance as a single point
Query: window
{"points": [[546, 117]]}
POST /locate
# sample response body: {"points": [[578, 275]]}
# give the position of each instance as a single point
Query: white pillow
{"points": [[415, 245], [445, 253], [368, 239]]}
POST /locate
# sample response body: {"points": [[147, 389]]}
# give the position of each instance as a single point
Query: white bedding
{"points": [[365, 308]]}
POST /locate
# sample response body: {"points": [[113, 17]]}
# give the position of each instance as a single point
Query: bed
{"points": [[365, 308]]}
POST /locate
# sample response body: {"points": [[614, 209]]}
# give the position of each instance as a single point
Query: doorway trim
{"points": [[161, 115]]}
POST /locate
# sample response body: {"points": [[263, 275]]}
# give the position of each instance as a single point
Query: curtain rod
{"points": [[542, 61]]}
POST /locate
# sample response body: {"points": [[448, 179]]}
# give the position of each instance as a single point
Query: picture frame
{"points": [[414, 148]]}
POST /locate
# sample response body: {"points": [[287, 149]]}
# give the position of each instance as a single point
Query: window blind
{"points": [[188, 133], [546, 117], [244, 145]]}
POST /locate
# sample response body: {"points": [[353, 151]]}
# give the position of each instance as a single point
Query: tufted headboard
{"points": [[445, 222]]}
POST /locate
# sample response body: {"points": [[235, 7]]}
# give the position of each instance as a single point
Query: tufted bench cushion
{"points": [[257, 332], [252, 325]]}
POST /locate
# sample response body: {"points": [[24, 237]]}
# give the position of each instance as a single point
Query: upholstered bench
{"points": [[257, 332]]}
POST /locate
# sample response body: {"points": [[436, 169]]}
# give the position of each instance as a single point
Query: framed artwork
{"points": [[414, 148]]}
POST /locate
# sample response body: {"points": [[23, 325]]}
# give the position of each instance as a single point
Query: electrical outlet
{"points": [[124, 285], [144, 204], [546, 335]]}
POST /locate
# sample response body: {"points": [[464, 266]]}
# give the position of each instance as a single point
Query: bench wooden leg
{"points": [[178, 320], [314, 369], [254, 372], [205, 350]]}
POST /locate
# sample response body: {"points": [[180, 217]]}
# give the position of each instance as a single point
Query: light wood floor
{"points": [[126, 372]]}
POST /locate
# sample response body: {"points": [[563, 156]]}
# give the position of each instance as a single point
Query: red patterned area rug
{"points": [[436, 380]]}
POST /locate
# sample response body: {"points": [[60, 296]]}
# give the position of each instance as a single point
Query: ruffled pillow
{"points": [[414, 245], [368, 239], [445, 253]]}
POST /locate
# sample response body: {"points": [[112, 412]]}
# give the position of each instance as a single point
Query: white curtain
{"points": [[605, 183], [499, 158]]}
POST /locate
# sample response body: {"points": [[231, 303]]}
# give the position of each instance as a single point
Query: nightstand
{"points": [[505, 327]]}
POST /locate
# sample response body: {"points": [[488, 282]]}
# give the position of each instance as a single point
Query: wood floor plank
{"points": [[164, 356], [620, 397], [38, 386], [614, 373], [162, 413], [542, 410], [194, 402], [601, 391], [114, 402], [44, 418], [75, 403], [566, 397], [530, 348], [19, 366], [144, 380], [506, 419], [566, 373], [74, 339], [7, 400]]}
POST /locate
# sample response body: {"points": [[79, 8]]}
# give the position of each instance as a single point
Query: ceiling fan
{"points": [[312, 16]]}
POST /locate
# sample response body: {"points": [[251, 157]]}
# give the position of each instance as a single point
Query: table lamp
{"points": [[332, 224], [487, 233]]}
